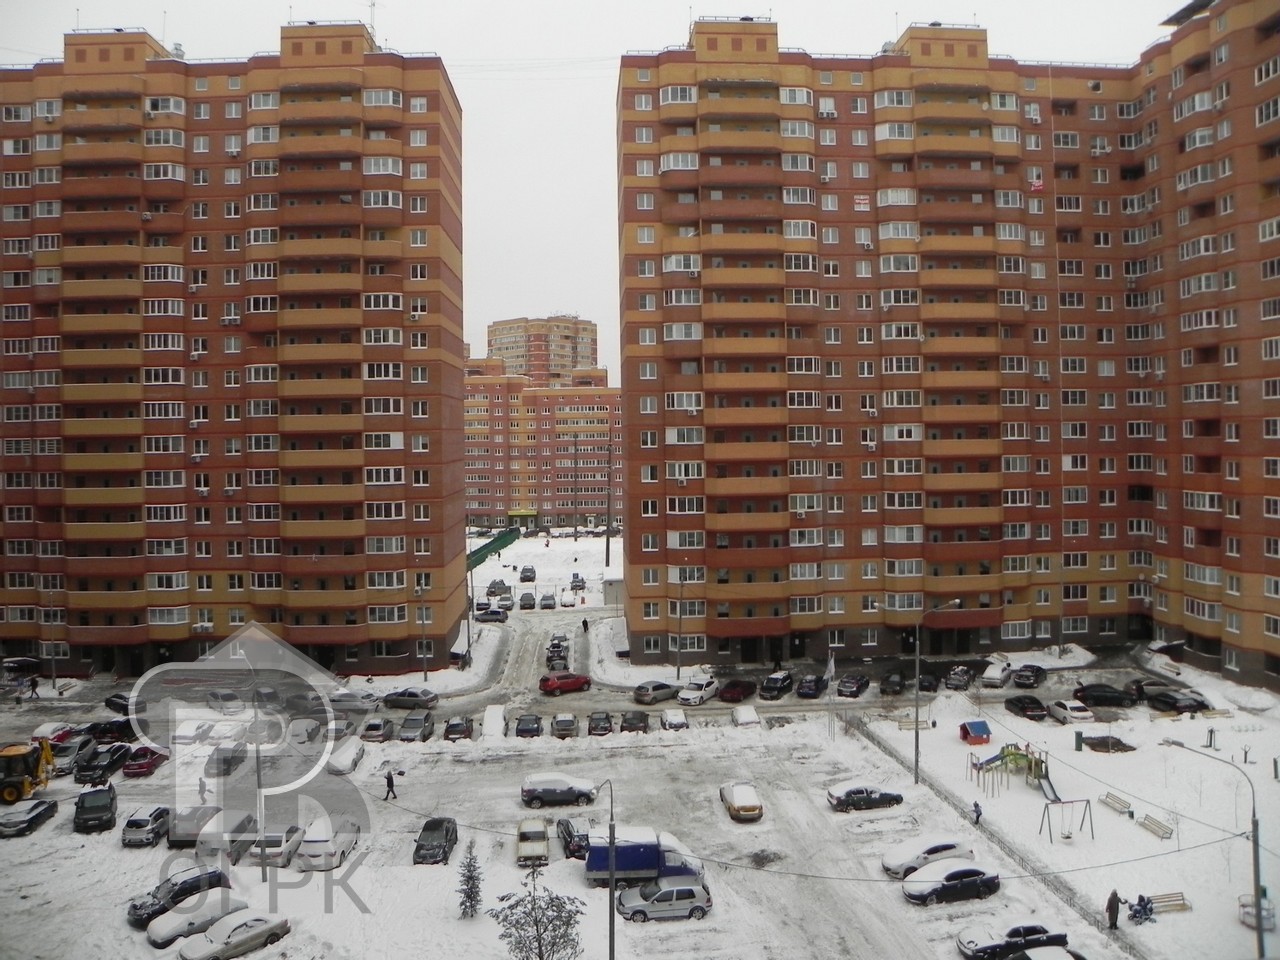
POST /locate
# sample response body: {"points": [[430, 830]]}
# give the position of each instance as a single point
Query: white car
{"points": [[277, 846], [192, 731], [348, 701], [191, 917], [698, 690], [227, 731], [905, 858], [998, 672], [327, 842], [339, 730], [674, 719], [741, 800], [303, 730], [235, 935], [224, 701], [745, 716], [1070, 711]]}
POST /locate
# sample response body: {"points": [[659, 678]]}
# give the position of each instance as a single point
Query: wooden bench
{"points": [[1161, 830], [1216, 714], [1169, 901], [1115, 802]]}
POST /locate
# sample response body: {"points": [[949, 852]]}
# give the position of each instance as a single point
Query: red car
{"points": [[735, 691], [560, 681], [144, 761]]}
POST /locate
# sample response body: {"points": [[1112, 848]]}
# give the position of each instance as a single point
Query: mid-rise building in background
{"points": [[232, 325], [934, 343], [549, 351]]}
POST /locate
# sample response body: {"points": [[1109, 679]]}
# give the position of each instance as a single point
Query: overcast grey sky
{"points": [[537, 80]]}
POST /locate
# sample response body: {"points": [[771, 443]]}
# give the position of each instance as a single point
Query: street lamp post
{"points": [[1258, 924], [613, 878], [919, 640]]}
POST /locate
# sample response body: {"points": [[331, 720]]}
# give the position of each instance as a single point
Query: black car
{"points": [[947, 880], [847, 796], [95, 809], [25, 816], [106, 759], [634, 721], [528, 601], [123, 704], [1175, 701], [852, 685], [1143, 687], [892, 683], [959, 677], [492, 615], [776, 685], [528, 725], [119, 730], [927, 683], [528, 575], [459, 728], [172, 891], [574, 834], [599, 724], [1102, 695], [1029, 676], [436, 840], [735, 691], [980, 943], [811, 686], [305, 703], [1025, 705], [224, 760]]}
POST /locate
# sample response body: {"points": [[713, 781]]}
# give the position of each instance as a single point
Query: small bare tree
{"points": [[539, 924], [469, 874]]}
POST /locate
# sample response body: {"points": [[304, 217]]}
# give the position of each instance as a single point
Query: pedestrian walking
{"points": [[977, 813], [585, 625], [391, 787], [35, 682], [204, 789], [1113, 910]]}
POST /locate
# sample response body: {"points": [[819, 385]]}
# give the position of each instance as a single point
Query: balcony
{"points": [[713, 312], [111, 153], [747, 486], [98, 393], [320, 459], [103, 496], [322, 529], [740, 382], [101, 188], [959, 311], [320, 215], [321, 387], [741, 417], [161, 223], [100, 221], [948, 111], [109, 600], [105, 254], [90, 427], [952, 178], [953, 143], [322, 79], [308, 283], [300, 495], [962, 211], [960, 380], [331, 318], [961, 449], [735, 243], [963, 516], [736, 627], [322, 635], [328, 145], [733, 141], [124, 531], [330, 248], [961, 413], [761, 452], [757, 347], [748, 522], [102, 289], [101, 323], [962, 347], [731, 210], [316, 113], [335, 423], [944, 279], [321, 181], [102, 462], [959, 245], [321, 353], [736, 175], [740, 108], [120, 86], [737, 277]]}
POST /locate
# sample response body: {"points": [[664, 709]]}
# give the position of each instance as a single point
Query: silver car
{"points": [[235, 935], [276, 846], [419, 725], [667, 898]]}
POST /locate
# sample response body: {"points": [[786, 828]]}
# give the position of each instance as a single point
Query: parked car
{"points": [[983, 943], [745, 715], [927, 683], [997, 672], [436, 840], [1103, 695], [224, 731], [345, 757], [266, 697], [563, 681], [506, 602], [528, 725], [25, 816], [1026, 705], [852, 685], [125, 704], [304, 730], [186, 824], [378, 730], [653, 691], [277, 846], [1176, 701], [892, 683], [230, 834], [346, 702], [336, 730], [533, 846], [552, 788], [119, 730], [492, 615], [599, 724], [327, 842], [266, 731], [304, 701], [1070, 711], [235, 935], [528, 601], [564, 726], [144, 761], [224, 701], [174, 889], [905, 858], [667, 898], [698, 690], [850, 795], [192, 731], [946, 880], [547, 601], [68, 754], [54, 731], [528, 574], [567, 599], [574, 834], [418, 725], [106, 759], [411, 698], [741, 800], [1029, 676], [145, 826], [577, 584], [497, 588], [168, 928], [736, 690], [1140, 688], [811, 686], [225, 759], [776, 685], [95, 808], [674, 719], [634, 721], [482, 604], [459, 728], [958, 677]]}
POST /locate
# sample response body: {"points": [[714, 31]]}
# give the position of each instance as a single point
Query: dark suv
{"points": [[777, 684], [95, 808], [172, 891], [574, 833], [543, 788], [436, 840]]}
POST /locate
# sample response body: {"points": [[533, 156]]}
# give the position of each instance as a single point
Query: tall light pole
{"points": [[613, 877], [920, 639], [1253, 829]]}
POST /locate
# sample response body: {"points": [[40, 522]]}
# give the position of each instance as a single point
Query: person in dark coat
{"points": [[204, 790], [977, 813], [391, 787], [1113, 910], [585, 625], [35, 682]]}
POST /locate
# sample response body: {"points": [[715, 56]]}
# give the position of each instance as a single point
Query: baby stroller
{"points": [[1143, 910]]}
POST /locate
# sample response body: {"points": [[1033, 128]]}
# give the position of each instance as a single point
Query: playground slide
{"points": [[982, 764], [1050, 794]]}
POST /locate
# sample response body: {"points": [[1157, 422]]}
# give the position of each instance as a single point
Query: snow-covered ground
{"points": [[803, 883]]}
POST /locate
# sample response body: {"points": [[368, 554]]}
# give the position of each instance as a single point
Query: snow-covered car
{"points": [[1176, 701], [173, 890], [776, 685], [533, 844], [997, 672], [227, 731], [192, 731], [327, 842], [54, 731], [304, 730], [850, 795], [741, 800], [436, 840], [277, 846], [564, 726], [25, 816], [1070, 711], [348, 701], [673, 718], [168, 928], [905, 858], [235, 935], [745, 715], [698, 690], [339, 729], [947, 880], [224, 701], [983, 943], [958, 677]]}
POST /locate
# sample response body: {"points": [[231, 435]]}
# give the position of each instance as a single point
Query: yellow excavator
{"points": [[24, 769]]}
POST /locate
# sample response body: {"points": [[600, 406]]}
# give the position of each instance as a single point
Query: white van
{"points": [[327, 842], [230, 833], [346, 756]]}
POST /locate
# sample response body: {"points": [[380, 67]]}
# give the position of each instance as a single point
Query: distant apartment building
{"points": [[541, 456], [933, 343], [232, 353], [548, 350]]}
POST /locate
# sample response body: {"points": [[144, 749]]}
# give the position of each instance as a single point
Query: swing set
{"points": [[1066, 811]]}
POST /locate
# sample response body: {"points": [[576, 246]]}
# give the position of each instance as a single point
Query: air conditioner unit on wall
{"points": [[873, 413], [682, 482], [193, 424]]}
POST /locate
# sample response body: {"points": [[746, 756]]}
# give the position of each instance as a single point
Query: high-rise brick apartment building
{"points": [[540, 455], [933, 341], [547, 350], [232, 354]]}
